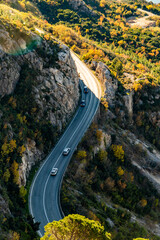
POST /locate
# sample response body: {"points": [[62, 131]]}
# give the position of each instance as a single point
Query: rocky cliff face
{"points": [[109, 83], [56, 84], [80, 6], [29, 157], [4, 212], [128, 99]]}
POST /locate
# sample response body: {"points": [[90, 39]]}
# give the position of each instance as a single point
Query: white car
{"points": [[66, 151], [54, 171]]}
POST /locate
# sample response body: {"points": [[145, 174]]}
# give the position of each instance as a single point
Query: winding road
{"points": [[44, 198]]}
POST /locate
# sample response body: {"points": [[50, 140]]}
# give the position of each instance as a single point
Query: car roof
{"points": [[54, 169], [66, 149]]}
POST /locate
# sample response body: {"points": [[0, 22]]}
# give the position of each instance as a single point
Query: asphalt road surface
{"points": [[44, 198]]}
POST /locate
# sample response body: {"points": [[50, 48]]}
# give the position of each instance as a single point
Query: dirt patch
{"points": [[142, 22]]}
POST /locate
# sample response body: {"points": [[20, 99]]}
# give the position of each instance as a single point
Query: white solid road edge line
{"points": [[84, 116], [32, 186]]}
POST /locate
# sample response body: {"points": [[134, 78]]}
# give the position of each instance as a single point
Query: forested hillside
{"points": [[114, 174], [35, 82]]}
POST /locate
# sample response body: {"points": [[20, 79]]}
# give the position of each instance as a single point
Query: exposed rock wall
{"points": [[110, 87], [128, 99], [109, 84], [9, 76], [58, 85], [4, 213], [56, 90], [80, 6], [28, 160], [4, 208], [104, 143]]}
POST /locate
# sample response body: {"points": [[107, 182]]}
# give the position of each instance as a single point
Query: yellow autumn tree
{"points": [[141, 239], [47, 36], [118, 152], [143, 202], [120, 171], [104, 103], [75, 227], [102, 3], [22, 4], [121, 42], [113, 33], [14, 170], [21, 150], [15, 236], [101, 20], [78, 29], [81, 155], [149, 7], [8, 147], [12, 145], [5, 149]]}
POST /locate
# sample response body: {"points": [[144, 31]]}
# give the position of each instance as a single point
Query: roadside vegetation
{"points": [[107, 187], [106, 25], [102, 184], [20, 124]]}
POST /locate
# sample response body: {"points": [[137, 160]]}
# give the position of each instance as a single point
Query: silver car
{"points": [[54, 171], [66, 151]]}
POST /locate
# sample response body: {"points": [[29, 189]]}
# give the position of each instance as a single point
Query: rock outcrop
{"points": [[58, 85], [4, 208], [8, 76], [128, 99], [4, 213], [154, 118], [28, 160], [80, 6], [104, 142], [56, 88], [109, 83], [10, 66]]}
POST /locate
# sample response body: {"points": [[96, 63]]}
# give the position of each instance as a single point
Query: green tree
{"points": [[102, 155], [75, 227], [117, 67], [6, 175], [22, 193]]}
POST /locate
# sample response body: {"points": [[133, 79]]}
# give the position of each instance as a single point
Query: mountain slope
{"points": [[39, 93]]}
